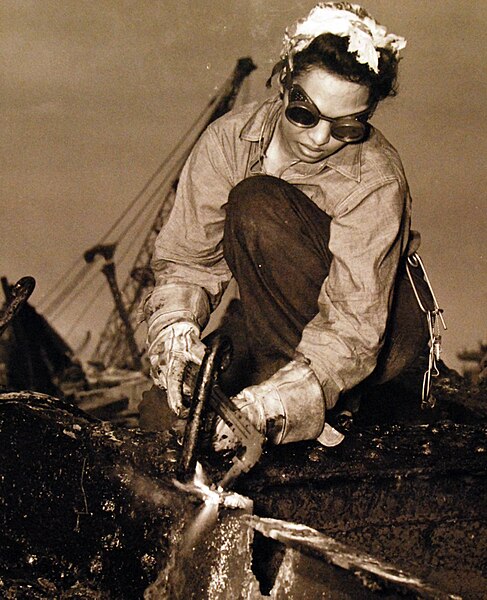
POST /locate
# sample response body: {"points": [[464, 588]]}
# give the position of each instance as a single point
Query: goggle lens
{"points": [[349, 130], [302, 112], [301, 116]]}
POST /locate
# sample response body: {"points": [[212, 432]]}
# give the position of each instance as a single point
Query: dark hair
{"points": [[330, 52]]}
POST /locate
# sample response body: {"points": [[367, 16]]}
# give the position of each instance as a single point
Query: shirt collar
{"points": [[261, 119], [260, 126], [347, 161]]}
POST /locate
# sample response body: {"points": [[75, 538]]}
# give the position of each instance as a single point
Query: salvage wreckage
{"points": [[95, 508]]}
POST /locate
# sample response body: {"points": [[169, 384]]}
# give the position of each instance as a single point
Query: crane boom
{"points": [[112, 348]]}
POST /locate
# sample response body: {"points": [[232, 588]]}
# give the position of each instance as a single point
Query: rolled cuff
{"points": [[173, 302], [329, 388], [301, 397]]}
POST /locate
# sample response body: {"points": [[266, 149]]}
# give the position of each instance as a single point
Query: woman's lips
{"points": [[309, 150]]}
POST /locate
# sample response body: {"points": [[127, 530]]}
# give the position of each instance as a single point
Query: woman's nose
{"points": [[320, 134]]}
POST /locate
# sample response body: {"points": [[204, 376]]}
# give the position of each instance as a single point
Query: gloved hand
{"points": [[172, 350], [288, 407], [252, 403]]}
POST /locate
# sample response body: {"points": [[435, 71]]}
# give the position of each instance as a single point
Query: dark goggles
{"points": [[303, 112]]}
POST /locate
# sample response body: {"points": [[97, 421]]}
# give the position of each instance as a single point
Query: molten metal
{"points": [[210, 494]]}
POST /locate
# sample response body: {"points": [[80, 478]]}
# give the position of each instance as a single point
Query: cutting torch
{"points": [[207, 392]]}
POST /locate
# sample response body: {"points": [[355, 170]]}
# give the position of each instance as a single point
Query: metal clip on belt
{"points": [[432, 315]]}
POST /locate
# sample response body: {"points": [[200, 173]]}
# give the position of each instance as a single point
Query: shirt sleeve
{"points": [[188, 264], [368, 235]]}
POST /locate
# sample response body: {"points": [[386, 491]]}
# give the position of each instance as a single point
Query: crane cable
{"points": [[176, 168], [67, 290], [87, 307], [92, 300], [65, 300], [82, 272]]}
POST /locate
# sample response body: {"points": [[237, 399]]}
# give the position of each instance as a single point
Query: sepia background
{"points": [[94, 94]]}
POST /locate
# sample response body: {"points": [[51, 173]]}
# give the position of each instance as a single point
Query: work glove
{"points": [[174, 351], [288, 407]]}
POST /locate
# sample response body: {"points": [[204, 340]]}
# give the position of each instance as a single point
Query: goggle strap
{"points": [[279, 67]]}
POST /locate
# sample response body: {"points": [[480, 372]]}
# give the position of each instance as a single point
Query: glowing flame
{"points": [[200, 481], [210, 494], [205, 517], [200, 487]]}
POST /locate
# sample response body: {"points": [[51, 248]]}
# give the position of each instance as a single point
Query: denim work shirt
{"points": [[362, 187]]}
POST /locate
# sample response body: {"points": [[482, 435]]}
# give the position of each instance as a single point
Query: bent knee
{"points": [[255, 198]]}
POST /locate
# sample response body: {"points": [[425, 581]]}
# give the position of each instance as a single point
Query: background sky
{"points": [[95, 93]]}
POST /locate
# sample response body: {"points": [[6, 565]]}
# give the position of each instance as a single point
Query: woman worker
{"points": [[307, 206]]}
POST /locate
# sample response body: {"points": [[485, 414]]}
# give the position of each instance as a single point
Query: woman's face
{"points": [[334, 97]]}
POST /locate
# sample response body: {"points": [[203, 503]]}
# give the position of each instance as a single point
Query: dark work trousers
{"points": [[276, 245]]}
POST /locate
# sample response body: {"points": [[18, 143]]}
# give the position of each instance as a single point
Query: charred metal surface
{"points": [[368, 571], [88, 510], [82, 506], [217, 567], [411, 494]]}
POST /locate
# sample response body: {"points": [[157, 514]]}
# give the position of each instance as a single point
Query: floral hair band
{"points": [[345, 20]]}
